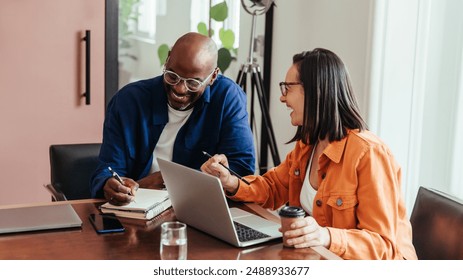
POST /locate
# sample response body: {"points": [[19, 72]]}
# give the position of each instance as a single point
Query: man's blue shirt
{"points": [[138, 113]]}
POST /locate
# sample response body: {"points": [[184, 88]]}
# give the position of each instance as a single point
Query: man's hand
{"points": [[119, 194]]}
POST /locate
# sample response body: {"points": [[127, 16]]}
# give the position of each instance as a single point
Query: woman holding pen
{"points": [[343, 176]]}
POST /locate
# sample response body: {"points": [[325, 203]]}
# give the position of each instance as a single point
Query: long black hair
{"points": [[330, 106]]}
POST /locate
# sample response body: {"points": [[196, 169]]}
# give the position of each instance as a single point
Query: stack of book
{"points": [[148, 204]]}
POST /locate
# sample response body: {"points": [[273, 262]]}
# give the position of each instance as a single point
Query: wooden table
{"points": [[139, 241]]}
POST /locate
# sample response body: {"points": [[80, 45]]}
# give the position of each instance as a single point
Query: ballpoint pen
{"points": [[118, 178], [231, 171]]}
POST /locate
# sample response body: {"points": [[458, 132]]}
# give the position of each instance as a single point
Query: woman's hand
{"points": [[213, 166], [307, 233]]}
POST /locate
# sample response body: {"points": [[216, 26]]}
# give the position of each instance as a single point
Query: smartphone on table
{"points": [[106, 223]]}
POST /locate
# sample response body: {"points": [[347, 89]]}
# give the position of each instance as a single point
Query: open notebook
{"points": [[148, 204], [38, 218]]}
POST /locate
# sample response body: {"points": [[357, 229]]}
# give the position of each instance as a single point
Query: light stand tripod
{"points": [[257, 87]]}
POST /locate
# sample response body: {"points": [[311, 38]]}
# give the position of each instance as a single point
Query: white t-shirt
{"points": [[308, 192], [165, 146]]}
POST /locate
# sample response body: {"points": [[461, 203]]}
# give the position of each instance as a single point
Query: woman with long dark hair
{"points": [[343, 176]]}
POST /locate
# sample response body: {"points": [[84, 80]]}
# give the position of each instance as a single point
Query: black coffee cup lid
{"points": [[291, 211]]}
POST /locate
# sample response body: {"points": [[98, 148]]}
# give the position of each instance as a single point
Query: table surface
{"points": [[139, 241]]}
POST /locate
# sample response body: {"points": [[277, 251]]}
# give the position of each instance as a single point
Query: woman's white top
{"points": [[308, 192]]}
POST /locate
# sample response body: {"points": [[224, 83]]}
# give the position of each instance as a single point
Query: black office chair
{"points": [[72, 166], [437, 223]]}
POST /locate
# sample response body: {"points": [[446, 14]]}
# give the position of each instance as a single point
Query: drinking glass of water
{"points": [[173, 241]]}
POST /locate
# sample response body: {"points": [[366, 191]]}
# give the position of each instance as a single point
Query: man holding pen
{"points": [[176, 116]]}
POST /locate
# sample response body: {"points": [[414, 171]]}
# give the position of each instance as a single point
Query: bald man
{"points": [[188, 109]]}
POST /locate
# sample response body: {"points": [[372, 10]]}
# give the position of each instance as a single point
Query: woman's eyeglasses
{"points": [[192, 85], [284, 86]]}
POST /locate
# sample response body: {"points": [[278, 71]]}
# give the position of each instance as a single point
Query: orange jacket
{"points": [[359, 197]]}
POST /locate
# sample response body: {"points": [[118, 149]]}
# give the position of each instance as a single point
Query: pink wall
{"points": [[41, 80]]}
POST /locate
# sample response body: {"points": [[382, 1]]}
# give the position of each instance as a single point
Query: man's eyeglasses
{"points": [[284, 86], [192, 85]]}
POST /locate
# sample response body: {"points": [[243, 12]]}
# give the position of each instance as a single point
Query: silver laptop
{"points": [[199, 201], [38, 218]]}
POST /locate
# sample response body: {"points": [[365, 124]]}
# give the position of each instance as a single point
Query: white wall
{"points": [[299, 25], [416, 89], [397, 73], [441, 163]]}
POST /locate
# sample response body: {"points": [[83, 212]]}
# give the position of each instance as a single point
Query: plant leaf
{"points": [[219, 12], [227, 37], [163, 52], [224, 59], [202, 29]]}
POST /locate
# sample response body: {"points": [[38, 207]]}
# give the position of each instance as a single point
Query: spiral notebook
{"points": [[148, 204]]}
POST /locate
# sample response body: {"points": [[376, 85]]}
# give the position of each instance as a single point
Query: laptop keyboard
{"points": [[247, 234]]}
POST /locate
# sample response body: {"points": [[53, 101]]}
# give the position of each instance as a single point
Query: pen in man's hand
{"points": [[231, 171], [118, 178]]}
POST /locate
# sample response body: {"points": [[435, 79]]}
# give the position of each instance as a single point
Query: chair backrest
{"points": [[437, 222], [72, 166]]}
